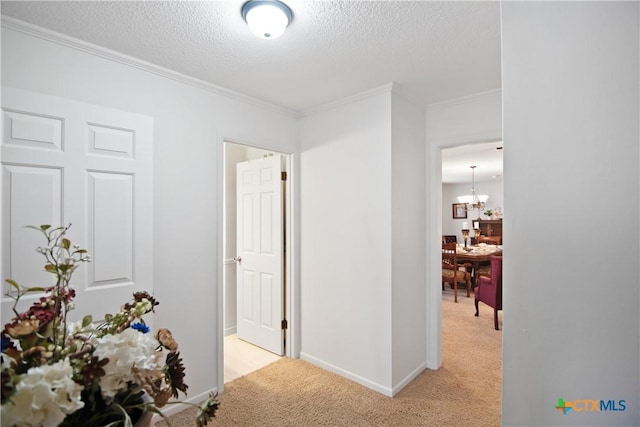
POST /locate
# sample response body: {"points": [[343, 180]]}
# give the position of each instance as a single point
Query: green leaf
{"points": [[50, 268], [151, 408], [45, 227], [87, 320], [13, 283], [66, 243], [80, 251], [126, 419], [35, 289]]}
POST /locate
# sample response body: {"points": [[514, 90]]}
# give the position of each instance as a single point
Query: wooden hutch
{"points": [[491, 228]]}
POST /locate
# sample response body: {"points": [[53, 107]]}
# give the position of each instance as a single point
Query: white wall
{"points": [[189, 125], [450, 192], [346, 240], [408, 255], [571, 133], [473, 118], [363, 245]]}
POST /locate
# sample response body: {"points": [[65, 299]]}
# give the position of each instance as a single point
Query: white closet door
{"points": [[260, 292], [70, 162]]}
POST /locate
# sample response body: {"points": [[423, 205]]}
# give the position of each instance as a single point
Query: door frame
{"points": [[434, 239], [479, 119], [291, 270]]}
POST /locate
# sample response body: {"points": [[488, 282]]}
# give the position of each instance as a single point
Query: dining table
{"points": [[476, 255]]}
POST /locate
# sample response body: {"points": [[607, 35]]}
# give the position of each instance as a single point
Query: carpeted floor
{"points": [[291, 392]]}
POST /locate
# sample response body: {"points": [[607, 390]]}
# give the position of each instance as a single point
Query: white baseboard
{"points": [[230, 331], [412, 376], [363, 381], [349, 375]]}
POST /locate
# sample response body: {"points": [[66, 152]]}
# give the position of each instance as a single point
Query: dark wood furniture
{"points": [[494, 240], [453, 271], [491, 228], [449, 238], [477, 256]]}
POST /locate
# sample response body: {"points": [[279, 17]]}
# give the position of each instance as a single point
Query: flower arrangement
{"points": [[495, 213], [105, 373]]}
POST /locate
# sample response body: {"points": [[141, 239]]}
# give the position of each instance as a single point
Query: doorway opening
{"points": [[243, 353], [457, 162], [456, 180]]}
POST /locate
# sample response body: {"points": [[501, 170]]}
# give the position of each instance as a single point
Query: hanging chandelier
{"points": [[473, 201]]}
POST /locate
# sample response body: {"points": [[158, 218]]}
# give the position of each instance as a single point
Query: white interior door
{"points": [[259, 259], [70, 162]]}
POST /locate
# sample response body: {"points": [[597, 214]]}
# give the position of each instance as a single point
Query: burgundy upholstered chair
{"points": [[489, 289]]}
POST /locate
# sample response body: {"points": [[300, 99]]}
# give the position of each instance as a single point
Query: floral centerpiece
{"points": [[87, 373]]}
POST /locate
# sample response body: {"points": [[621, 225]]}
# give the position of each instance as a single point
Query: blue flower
{"points": [[140, 327]]}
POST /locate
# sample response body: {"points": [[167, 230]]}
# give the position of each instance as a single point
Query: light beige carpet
{"points": [[464, 392]]}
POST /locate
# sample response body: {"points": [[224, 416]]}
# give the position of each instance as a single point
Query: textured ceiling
{"points": [[433, 51]]}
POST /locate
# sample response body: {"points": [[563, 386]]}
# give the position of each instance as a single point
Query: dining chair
{"points": [[489, 289], [483, 269], [452, 271], [449, 238]]}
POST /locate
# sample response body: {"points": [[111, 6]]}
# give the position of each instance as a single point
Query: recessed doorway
{"points": [[241, 354]]}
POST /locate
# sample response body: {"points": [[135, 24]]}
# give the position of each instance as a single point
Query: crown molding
{"points": [[465, 99], [387, 88], [92, 49]]}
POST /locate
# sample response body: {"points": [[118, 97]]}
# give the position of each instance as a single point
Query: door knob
{"points": [[237, 259]]}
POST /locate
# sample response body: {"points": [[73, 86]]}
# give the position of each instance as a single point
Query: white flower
{"points": [[141, 307], [43, 397], [125, 351], [74, 328]]}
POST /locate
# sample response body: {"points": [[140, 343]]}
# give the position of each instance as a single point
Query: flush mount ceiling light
{"points": [[266, 19]]}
